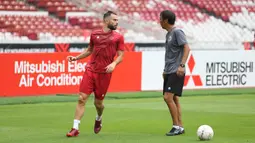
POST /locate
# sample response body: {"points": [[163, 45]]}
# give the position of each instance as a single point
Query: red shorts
{"points": [[95, 82]]}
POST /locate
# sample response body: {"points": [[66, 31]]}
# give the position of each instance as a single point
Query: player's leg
{"points": [[102, 83], [98, 121], [168, 97], [86, 88], [169, 90], [178, 106], [178, 93], [99, 107], [179, 112], [80, 107]]}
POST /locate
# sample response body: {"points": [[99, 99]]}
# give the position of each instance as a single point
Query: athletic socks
{"points": [[178, 127], [98, 118], [76, 124]]}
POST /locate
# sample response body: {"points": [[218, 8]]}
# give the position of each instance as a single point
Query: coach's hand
{"points": [[163, 75], [71, 58], [110, 67], [180, 71]]}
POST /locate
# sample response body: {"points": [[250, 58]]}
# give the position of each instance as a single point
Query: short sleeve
{"points": [[181, 37], [91, 41], [121, 43]]}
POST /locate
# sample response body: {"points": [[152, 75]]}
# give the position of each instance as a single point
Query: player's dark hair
{"points": [[169, 15], [109, 13]]}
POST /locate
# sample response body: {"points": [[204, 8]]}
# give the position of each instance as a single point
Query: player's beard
{"points": [[112, 27]]}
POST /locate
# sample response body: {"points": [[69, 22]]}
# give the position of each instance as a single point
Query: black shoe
{"points": [[174, 132]]}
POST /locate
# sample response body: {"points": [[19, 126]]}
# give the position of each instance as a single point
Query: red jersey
{"points": [[105, 46]]}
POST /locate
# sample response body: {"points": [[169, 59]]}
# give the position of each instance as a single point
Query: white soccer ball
{"points": [[205, 132]]}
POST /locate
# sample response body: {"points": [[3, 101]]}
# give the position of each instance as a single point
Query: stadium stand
{"points": [[38, 28], [203, 21], [239, 12], [13, 5], [57, 7], [190, 17]]}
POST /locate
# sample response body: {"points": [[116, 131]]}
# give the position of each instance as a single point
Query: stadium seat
{"points": [[36, 27]]}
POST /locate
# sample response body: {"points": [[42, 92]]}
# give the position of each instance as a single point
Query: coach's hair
{"points": [[108, 13], [169, 15]]}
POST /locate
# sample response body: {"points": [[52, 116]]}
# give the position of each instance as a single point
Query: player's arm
{"points": [[85, 53], [120, 51], [186, 51], [119, 58], [182, 42], [120, 54]]}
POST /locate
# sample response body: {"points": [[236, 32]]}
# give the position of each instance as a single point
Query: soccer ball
{"points": [[205, 132]]}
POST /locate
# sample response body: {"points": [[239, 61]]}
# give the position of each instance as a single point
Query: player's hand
{"points": [[180, 71], [163, 75], [71, 58], [110, 67]]}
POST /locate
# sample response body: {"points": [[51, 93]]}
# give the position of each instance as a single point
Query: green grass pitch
{"points": [[140, 117]]}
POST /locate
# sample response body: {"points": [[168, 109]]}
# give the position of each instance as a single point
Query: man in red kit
{"points": [[103, 46]]}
